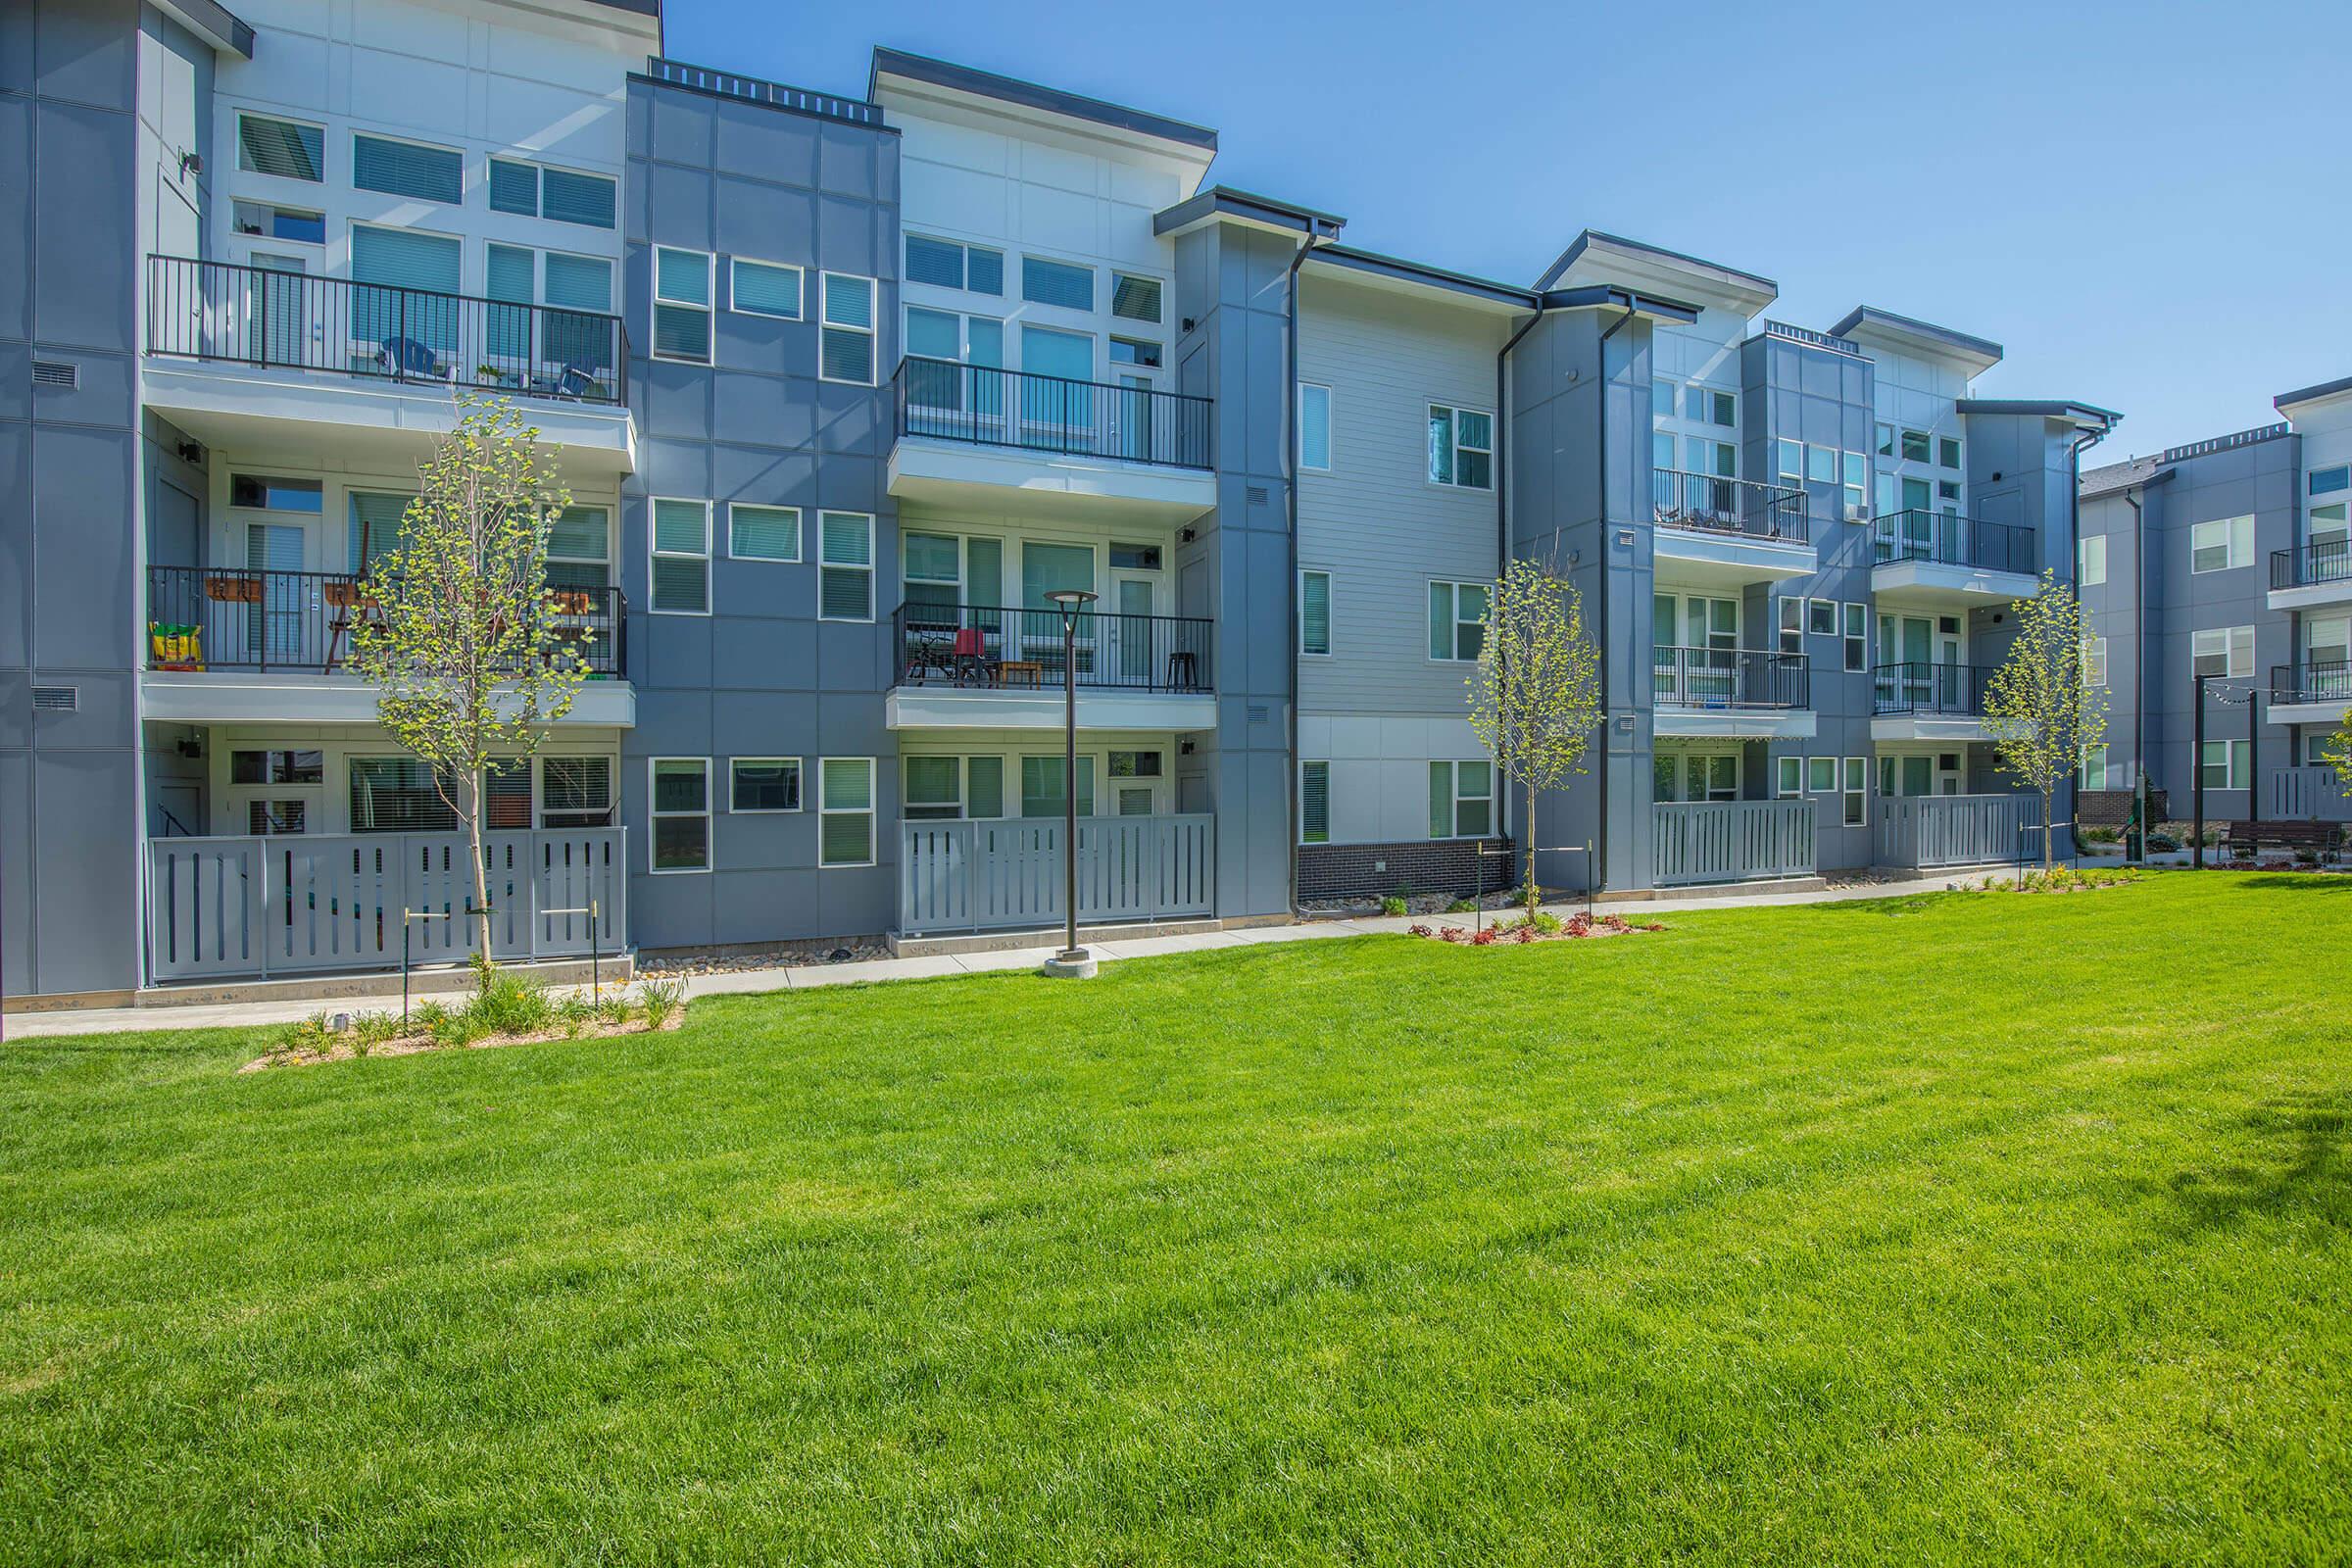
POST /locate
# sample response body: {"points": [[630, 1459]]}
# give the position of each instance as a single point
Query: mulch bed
{"points": [[346, 1050], [1578, 927]]}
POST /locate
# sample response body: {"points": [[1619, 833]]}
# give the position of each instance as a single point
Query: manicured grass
{"points": [[1963, 1228]]}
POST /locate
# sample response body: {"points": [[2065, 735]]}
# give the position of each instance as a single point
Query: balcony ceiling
{"points": [[1011, 482], [1936, 585]]}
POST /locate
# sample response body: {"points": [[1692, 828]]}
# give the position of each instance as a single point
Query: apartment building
{"points": [[845, 388], [2216, 574]]}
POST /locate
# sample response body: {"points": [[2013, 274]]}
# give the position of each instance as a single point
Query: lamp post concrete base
{"points": [[1072, 964]]}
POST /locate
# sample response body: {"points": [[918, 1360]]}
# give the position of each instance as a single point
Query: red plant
{"points": [[1485, 937], [1525, 934], [1420, 931], [1452, 933]]}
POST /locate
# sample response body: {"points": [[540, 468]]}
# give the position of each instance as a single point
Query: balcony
{"points": [[1041, 446], [1945, 560], [1006, 872], [227, 646], [1929, 832], [1730, 841], [1731, 693], [1715, 532], [2310, 794], [1924, 702], [247, 354], [2311, 576], [2316, 692], [969, 665]]}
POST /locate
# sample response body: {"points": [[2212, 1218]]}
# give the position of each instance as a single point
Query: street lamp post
{"points": [[1072, 961]]}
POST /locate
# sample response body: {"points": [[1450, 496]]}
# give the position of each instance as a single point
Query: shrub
{"points": [[1545, 921], [1462, 907], [573, 1013], [373, 1029], [2163, 843], [1486, 937], [509, 1004], [615, 1008], [662, 997], [1392, 905]]}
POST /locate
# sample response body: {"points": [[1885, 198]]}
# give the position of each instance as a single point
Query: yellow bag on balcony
{"points": [[171, 646]]}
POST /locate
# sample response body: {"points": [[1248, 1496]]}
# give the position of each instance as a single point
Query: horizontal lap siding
{"points": [[1375, 522]]}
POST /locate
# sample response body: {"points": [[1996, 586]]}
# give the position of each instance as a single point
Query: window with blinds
{"points": [[511, 276], [1059, 284], [1314, 612], [418, 273], [407, 168], [845, 812], [845, 589], [507, 796], [1314, 802], [513, 187], [395, 795], [764, 533], [575, 792], [764, 288], [377, 521], [1135, 298], [947, 263], [681, 557], [280, 147], [681, 305], [588, 200], [846, 347], [579, 549]]}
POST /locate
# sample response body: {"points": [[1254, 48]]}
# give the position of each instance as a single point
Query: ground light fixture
{"points": [[1072, 962]]}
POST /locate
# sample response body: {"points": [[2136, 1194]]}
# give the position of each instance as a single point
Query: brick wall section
{"points": [[1440, 866], [2112, 808]]}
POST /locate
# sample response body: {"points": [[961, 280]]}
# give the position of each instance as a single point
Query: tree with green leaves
{"points": [[2337, 752], [2040, 708], [456, 629], [1535, 695]]}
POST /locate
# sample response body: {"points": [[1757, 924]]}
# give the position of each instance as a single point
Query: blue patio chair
{"points": [[404, 356]]}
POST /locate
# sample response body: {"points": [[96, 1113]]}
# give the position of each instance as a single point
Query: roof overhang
{"points": [[1906, 334], [2085, 417], [2122, 478], [2325, 392], [1222, 203], [1597, 258], [212, 22], [896, 75]]}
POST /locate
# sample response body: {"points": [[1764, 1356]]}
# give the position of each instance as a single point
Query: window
{"points": [[1822, 618], [845, 585], [1661, 451], [556, 194], [1132, 298], [934, 788], [1461, 800], [1821, 465], [1461, 448], [1057, 283], [395, 795], [763, 784], [682, 304], [1915, 445], [1718, 458], [2327, 481], [2225, 764], [764, 533], [1947, 490], [1947, 453], [2095, 661], [680, 573], [1886, 440], [2090, 773], [1042, 790], [1709, 406], [263, 491], [1135, 558], [763, 288], [1789, 461], [949, 263], [1661, 400], [681, 814], [1314, 612], [273, 222], [1788, 775], [845, 352], [1821, 775], [2091, 568], [2221, 545], [1314, 428], [1857, 486], [579, 549], [1884, 496], [1135, 351], [1457, 613], [575, 792], [280, 147], [845, 830], [507, 794], [1793, 625], [2225, 650], [513, 187], [407, 168], [1314, 802], [1857, 792], [277, 768], [1857, 637]]}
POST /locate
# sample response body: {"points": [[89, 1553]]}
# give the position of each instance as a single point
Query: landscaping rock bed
{"points": [[1576, 927]]}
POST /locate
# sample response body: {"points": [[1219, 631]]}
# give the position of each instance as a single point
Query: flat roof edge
{"points": [[1034, 95]]}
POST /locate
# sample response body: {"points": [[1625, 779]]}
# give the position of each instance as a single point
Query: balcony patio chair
{"points": [[405, 357], [346, 602], [971, 662], [574, 383]]}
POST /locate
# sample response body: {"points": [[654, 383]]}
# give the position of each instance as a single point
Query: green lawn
{"points": [[1964, 1228]]}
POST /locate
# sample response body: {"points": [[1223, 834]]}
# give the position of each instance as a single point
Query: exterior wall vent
{"points": [[56, 373], [1259, 713], [56, 699], [1258, 495]]}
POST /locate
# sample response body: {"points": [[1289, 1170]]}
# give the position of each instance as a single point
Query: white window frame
{"points": [[238, 160], [799, 288], [1455, 412], [1813, 784], [799, 533], [709, 306], [2091, 552], [872, 329], [430, 146], [1303, 764], [654, 814], [1455, 798], [2233, 751], [1455, 642], [1788, 777], [1854, 633], [967, 247], [1331, 616], [2095, 661], [872, 808], [1854, 797], [2237, 530], [1790, 477], [800, 776], [1111, 299], [823, 566], [1325, 466], [1813, 608], [653, 553], [1793, 609], [2229, 643]]}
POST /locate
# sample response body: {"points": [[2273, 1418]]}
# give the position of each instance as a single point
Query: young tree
{"points": [[2337, 752], [457, 628], [2040, 706], [1534, 697]]}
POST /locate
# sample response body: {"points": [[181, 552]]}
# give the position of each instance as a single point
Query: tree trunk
{"points": [[472, 794], [1527, 837], [2049, 828]]}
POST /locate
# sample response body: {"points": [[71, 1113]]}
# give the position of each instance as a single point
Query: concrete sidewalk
{"points": [[250, 1014]]}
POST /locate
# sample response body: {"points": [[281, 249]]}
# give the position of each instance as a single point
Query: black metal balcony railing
{"points": [[1712, 504], [2322, 680], [990, 407], [1729, 677], [2308, 565], [218, 618], [776, 95], [259, 316], [1949, 539], [1918, 687], [984, 646]]}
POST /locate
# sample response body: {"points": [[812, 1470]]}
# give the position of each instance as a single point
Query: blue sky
{"points": [[2148, 204]]}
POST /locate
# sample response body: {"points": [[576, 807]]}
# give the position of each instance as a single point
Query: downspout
{"points": [[1503, 527], [2140, 664], [1289, 809], [1598, 872], [2074, 544]]}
